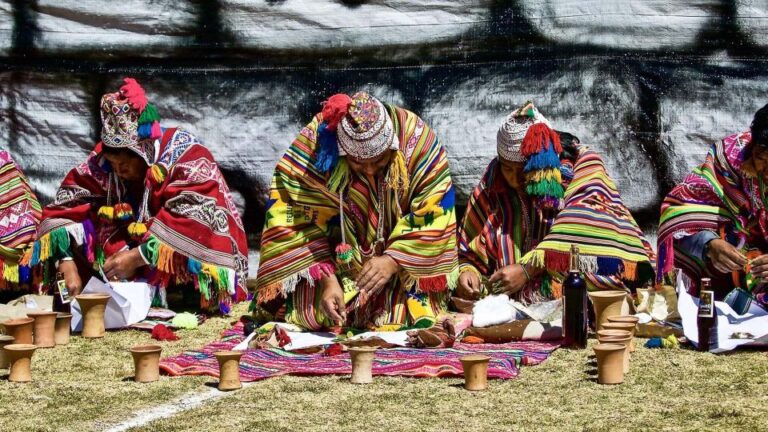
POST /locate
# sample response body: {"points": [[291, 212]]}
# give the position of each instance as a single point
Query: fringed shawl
{"points": [[718, 197], [19, 216], [593, 217], [195, 231], [303, 221]]}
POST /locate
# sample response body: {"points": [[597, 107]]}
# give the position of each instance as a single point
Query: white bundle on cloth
{"points": [[494, 310]]}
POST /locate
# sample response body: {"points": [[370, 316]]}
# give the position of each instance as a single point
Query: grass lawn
{"points": [[86, 386]]}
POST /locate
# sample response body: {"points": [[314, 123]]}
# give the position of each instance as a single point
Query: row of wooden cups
{"points": [[615, 345], [146, 360], [43, 329]]}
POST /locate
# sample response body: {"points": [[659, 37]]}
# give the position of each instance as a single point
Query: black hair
{"points": [[119, 151], [759, 127], [570, 143]]}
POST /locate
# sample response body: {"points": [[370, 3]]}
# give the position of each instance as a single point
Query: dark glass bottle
{"points": [[575, 305], [706, 319]]}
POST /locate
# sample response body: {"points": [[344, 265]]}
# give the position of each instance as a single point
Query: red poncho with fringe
{"points": [[195, 234]]}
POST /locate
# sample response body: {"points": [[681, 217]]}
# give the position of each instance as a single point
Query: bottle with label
{"points": [[706, 318], [61, 298], [575, 305]]}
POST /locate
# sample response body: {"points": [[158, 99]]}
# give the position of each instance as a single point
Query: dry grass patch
{"points": [[86, 386]]}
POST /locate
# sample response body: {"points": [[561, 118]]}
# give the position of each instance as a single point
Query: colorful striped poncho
{"points": [[19, 216], [195, 234], [303, 223], [716, 196], [502, 227]]}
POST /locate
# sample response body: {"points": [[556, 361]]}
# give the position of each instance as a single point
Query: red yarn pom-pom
{"points": [[334, 109], [132, 91]]}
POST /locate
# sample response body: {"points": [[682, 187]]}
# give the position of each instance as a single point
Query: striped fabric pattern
{"points": [[302, 225], [716, 196], [595, 219], [259, 364], [19, 217], [612, 246]]}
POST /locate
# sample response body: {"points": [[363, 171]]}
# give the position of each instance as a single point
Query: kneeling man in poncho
{"points": [[147, 203], [360, 224], [543, 193]]}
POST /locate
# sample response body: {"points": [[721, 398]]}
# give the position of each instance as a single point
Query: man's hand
{"points": [[511, 278], [71, 277], [469, 286], [332, 299], [760, 267], [377, 272], [725, 257], [123, 265]]}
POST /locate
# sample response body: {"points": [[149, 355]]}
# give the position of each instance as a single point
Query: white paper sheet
{"points": [[301, 340], [129, 304], [755, 321]]}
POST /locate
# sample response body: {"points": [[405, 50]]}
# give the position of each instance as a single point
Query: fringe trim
{"points": [[286, 286], [212, 281], [58, 243], [439, 283], [604, 266]]}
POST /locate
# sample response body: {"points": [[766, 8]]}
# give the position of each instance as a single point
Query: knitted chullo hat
{"points": [[509, 138], [360, 127], [526, 136], [129, 121]]}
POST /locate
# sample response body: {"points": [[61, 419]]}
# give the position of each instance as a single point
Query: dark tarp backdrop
{"points": [[650, 83]]}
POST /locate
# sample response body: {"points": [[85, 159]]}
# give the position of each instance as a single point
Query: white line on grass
{"points": [[181, 404]]}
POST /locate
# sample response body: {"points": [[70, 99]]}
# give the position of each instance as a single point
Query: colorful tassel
{"points": [[437, 283], [194, 266], [123, 212], [344, 253], [106, 213], [328, 149], [538, 138], [157, 132], [25, 274], [157, 173], [136, 96], [145, 130], [149, 115], [137, 230], [334, 109], [397, 177]]}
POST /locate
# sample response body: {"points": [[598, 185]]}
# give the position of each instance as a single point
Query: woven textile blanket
{"points": [[259, 364]]}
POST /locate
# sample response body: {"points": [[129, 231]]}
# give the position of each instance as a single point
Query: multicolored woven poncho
{"points": [[716, 196], [305, 214], [186, 224], [19, 216], [503, 227]]}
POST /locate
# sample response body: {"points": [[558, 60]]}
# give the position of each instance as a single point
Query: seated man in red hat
{"points": [[19, 217], [149, 203], [371, 182], [542, 194]]}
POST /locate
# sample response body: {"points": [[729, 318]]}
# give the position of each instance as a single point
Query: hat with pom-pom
{"points": [[129, 121], [359, 126], [509, 139]]}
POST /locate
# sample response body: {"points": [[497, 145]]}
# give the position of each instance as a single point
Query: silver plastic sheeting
{"points": [[622, 24], [752, 18], [6, 27], [306, 24], [149, 27], [650, 84]]}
